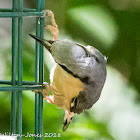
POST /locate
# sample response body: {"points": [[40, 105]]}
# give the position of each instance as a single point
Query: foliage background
{"points": [[111, 26]]}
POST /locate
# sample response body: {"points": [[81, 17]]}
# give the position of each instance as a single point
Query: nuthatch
{"points": [[77, 78]]}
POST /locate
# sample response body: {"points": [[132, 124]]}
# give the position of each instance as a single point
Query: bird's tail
{"points": [[45, 43], [67, 119]]}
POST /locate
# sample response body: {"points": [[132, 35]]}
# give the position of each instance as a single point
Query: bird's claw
{"points": [[53, 30], [37, 91], [47, 13], [54, 27], [43, 91], [46, 90], [50, 13]]}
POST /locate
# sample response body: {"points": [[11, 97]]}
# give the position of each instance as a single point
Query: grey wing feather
{"points": [[85, 99]]}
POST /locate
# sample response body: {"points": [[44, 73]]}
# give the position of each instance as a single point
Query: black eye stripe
{"points": [[93, 55], [88, 54], [97, 59]]}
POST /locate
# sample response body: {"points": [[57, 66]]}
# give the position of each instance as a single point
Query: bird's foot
{"points": [[67, 119], [54, 27], [54, 31], [37, 91], [44, 91]]}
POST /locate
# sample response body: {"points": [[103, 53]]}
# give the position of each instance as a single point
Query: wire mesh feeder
{"points": [[17, 85]]}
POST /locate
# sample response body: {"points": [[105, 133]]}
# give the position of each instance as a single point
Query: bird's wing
{"points": [[85, 99]]}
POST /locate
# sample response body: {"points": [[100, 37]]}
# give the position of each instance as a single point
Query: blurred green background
{"points": [[111, 26]]}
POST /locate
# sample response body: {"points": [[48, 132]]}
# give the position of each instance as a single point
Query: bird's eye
{"points": [[97, 60], [93, 55]]}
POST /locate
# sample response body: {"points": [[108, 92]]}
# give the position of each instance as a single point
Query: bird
{"points": [[77, 78]]}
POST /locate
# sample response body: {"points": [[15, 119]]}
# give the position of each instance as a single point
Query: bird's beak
{"points": [[44, 42]]}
